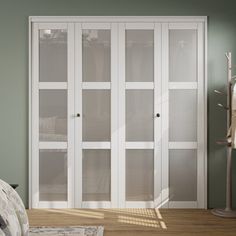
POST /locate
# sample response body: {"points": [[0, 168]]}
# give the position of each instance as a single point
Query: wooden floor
{"points": [[138, 222]]}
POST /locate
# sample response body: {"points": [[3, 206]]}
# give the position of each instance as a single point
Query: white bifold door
{"points": [[117, 113]]}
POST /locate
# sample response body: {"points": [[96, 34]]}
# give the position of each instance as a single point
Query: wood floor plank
{"points": [[138, 222]]}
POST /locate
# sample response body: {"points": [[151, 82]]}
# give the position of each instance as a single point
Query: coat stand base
{"points": [[224, 213]]}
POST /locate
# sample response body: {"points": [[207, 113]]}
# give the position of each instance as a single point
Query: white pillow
{"points": [[11, 225], [18, 207]]}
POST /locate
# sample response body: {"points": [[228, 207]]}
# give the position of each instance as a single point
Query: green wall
{"points": [[14, 74]]}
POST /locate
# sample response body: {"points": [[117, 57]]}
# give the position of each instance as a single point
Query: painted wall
{"points": [[14, 74]]}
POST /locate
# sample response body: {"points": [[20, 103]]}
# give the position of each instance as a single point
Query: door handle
{"points": [[77, 115], [158, 115]]}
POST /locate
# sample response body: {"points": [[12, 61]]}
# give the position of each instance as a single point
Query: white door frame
{"points": [[160, 24]]}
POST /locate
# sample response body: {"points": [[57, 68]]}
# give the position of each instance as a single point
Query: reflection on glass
{"points": [[139, 55], [53, 55], [183, 115], [96, 175], [52, 175], [183, 175], [139, 115], [183, 55], [96, 55], [139, 175], [96, 115], [53, 115]]}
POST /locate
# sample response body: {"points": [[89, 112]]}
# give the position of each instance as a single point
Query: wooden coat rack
{"points": [[228, 211]]}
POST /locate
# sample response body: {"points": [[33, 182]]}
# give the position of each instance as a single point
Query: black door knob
{"points": [[158, 115], [78, 115]]}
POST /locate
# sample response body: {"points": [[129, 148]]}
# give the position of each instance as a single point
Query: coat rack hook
{"points": [[227, 55], [218, 92], [221, 105]]}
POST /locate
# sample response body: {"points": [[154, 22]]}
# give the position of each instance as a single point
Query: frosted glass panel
{"points": [[96, 55], [96, 115], [139, 175], [53, 115], [183, 115], [183, 55], [53, 55], [52, 175], [139, 115], [139, 55], [96, 175], [183, 175]]}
